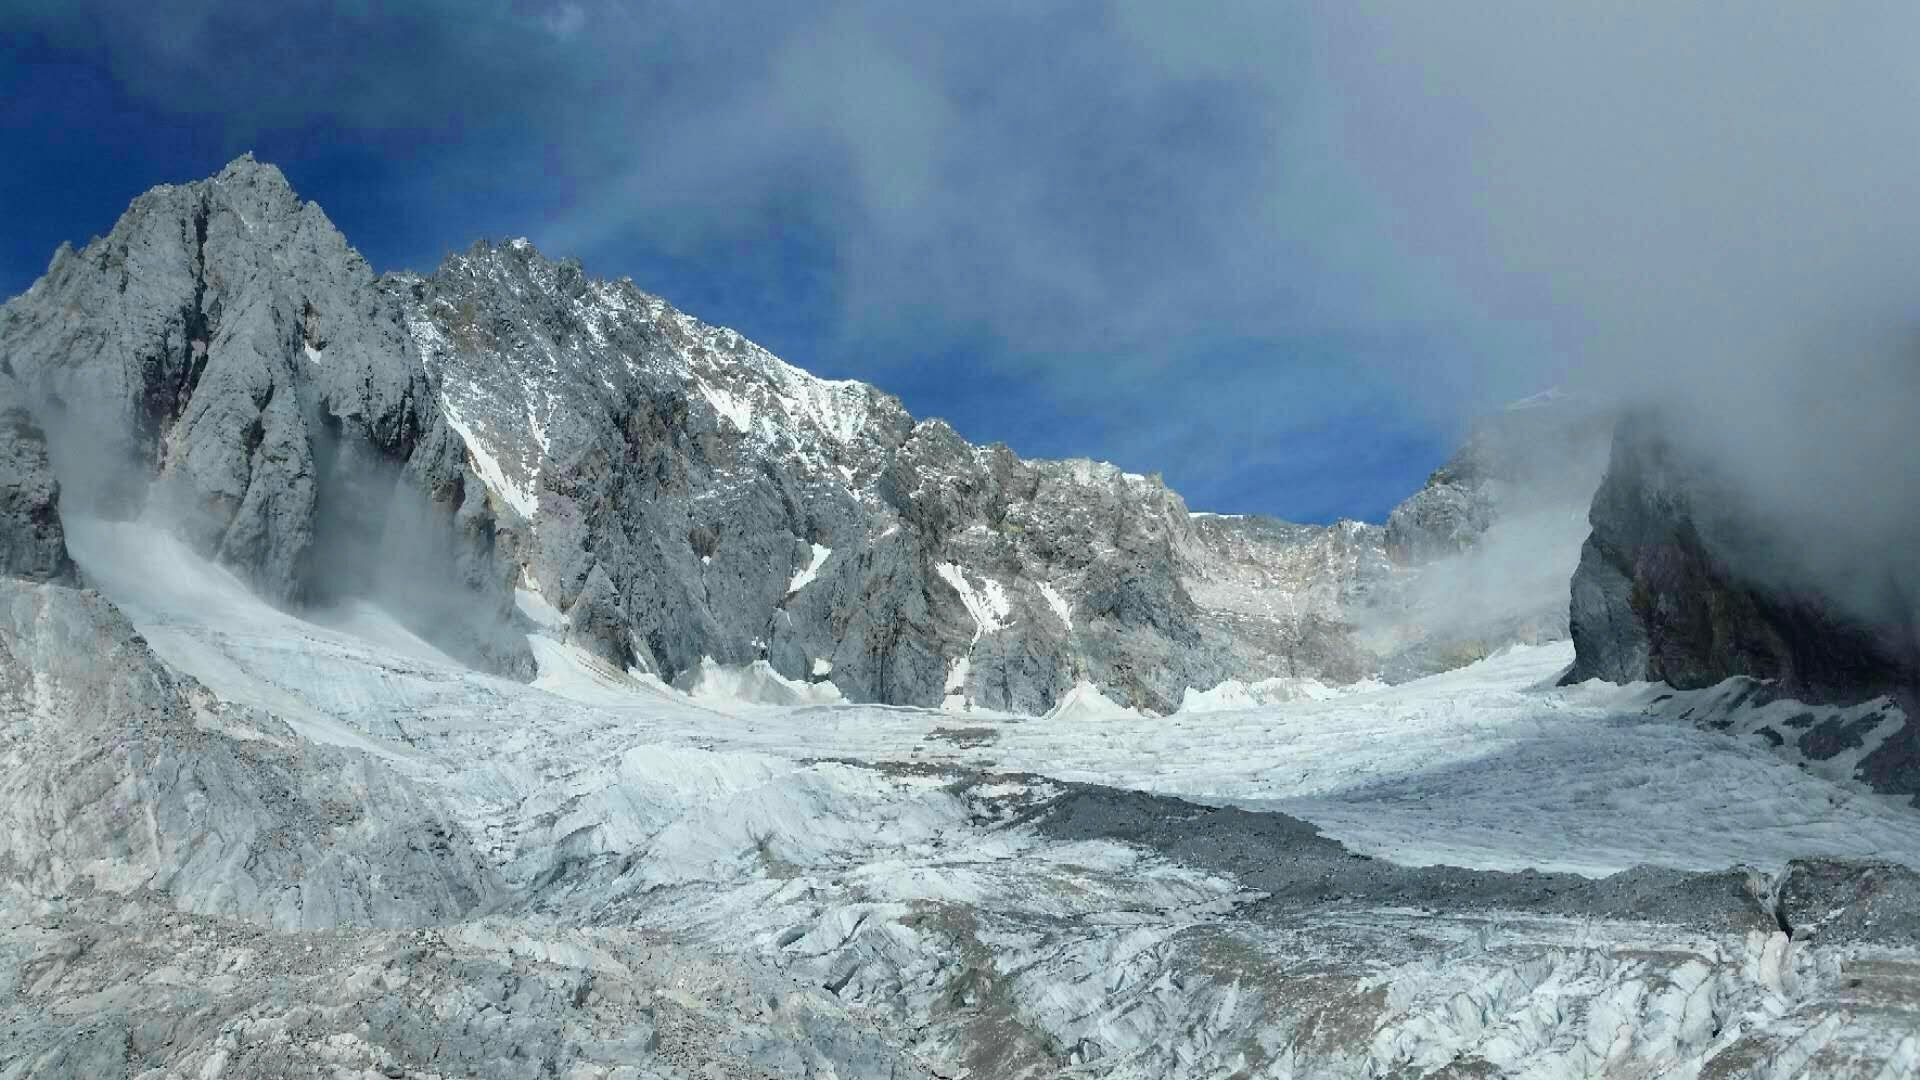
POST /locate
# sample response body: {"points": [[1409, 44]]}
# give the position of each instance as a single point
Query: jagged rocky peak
{"points": [[681, 494], [522, 343], [221, 360]]}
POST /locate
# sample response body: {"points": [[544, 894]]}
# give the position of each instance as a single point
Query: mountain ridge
{"points": [[675, 491]]}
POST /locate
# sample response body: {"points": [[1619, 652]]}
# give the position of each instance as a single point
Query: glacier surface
{"points": [[633, 880]]}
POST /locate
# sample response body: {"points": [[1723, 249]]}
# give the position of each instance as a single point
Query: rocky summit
{"points": [[171, 364]]}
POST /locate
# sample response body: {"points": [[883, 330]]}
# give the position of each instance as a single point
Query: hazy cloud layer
{"points": [[1280, 252]]}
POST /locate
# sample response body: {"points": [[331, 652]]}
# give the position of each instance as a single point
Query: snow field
{"points": [[842, 846]]}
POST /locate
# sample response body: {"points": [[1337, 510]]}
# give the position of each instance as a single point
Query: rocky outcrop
{"points": [[1444, 517], [680, 493], [221, 360], [1682, 581], [1673, 586], [33, 544], [119, 776], [1482, 553]]}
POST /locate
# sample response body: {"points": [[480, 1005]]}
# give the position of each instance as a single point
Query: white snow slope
{"points": [[881, 861]]}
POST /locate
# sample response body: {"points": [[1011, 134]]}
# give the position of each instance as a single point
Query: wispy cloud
{"points": [[1233, 229]]}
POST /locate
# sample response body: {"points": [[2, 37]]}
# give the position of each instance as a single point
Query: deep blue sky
{"points": [[1282, 255]]}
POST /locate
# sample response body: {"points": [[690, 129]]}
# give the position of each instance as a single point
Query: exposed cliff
{"points": [[32, 541], [1481, 554], [1684, 581]]}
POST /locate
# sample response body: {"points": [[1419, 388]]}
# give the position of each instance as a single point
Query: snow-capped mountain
{"points": [[676, 494], [272, 531]]}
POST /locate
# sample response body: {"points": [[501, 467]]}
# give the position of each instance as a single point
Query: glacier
{"points": [[646, 882]]}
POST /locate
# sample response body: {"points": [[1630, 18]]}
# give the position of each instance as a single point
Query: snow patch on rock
{"points": [[958, 670], [1058, 603], [812, 570], [988, 604], [514, 495], [739, 413]]}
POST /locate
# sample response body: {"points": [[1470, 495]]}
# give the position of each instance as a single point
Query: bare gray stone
{"points": [[119, 776], [32, 542]]}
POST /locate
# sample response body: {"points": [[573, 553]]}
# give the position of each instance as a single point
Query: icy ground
{"points": [[698, 886]]}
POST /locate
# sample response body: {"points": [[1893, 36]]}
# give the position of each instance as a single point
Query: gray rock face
{"points": [[1482, 553], [1445, 517], [221, 360], [1664, 592], [32, 542], [671, 486], [120, 777]]}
